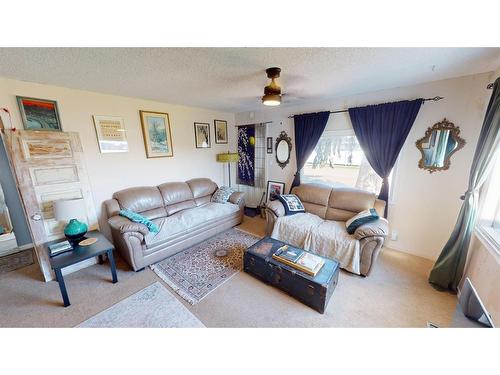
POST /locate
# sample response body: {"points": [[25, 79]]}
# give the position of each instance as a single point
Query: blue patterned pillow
{"points": [[222, 194], [363, 217], [136, 218], [292, 204]]}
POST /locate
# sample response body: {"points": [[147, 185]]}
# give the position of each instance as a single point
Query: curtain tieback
{"points": [[468, 192]]}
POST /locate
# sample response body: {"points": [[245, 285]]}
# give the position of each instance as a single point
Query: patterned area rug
{"points": [[197, 271], [17, 260], [151, 307]]}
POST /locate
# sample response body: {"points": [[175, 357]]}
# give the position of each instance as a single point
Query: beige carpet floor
{"points": [[396, 294]]}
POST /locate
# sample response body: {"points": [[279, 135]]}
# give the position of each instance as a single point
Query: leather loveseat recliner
{"points": [[182, 210], [321, 229]]}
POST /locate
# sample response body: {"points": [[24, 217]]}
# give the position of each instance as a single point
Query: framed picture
{"points": [[202, 135], [111, 134], [157, 135], [274, 189], [220, 129], [269, 145], [39, 114]]}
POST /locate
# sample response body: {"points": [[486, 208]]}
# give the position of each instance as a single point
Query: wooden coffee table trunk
{"points": [[314, 291]]}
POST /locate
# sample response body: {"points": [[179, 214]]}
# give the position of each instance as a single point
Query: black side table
{"points": [[79, 254]]}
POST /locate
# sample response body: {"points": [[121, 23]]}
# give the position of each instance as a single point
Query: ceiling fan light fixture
{"points": [[272, 92], [271, 100]]}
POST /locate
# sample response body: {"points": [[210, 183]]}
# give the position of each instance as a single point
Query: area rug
{"points": [[197, 271], [151, 307]]}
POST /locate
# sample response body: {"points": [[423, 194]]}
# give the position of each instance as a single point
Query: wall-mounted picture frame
{"points": [[220, 131], [202, 135], [111, 134], [274, 188], [269, 145], [39, 114], [157, 134]]}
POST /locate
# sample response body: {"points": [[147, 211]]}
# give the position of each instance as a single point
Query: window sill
{"points": [[489, 238]]}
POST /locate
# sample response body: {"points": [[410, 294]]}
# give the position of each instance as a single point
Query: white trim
{"points": [[489, 238]]}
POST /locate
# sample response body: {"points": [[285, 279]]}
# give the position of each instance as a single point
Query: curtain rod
{"points": [[255, 123], [434, 99]]}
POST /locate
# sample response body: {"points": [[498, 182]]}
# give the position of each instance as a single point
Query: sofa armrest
{"points": [[276, 208], [124, 225], [111, 207], [378, 227], [237, 198]]}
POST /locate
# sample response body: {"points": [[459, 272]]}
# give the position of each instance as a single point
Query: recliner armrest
{"points": [[378, 227], [124, 225], [236, 197], [276, 207]]}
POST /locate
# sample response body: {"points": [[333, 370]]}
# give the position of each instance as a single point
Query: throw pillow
{"points": [[362, 218], [222, 194], [292, 204], [136, 218]]}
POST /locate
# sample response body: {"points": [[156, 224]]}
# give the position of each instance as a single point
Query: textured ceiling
{"points": [[232, 79]]}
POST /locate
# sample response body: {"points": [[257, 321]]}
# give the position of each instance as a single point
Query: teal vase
{"points": [[75, 230]]}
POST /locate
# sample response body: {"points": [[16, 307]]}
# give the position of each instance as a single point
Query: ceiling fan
{"points": [[272, 92]]}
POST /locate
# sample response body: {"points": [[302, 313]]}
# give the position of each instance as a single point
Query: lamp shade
{"points": [[228, 157], [67, 209]]}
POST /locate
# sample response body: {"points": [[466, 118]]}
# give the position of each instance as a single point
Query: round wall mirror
{"points": [[283, 149]]}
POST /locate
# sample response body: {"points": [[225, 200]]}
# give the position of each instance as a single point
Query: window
{"points": [[338, 160], [488, 227]]}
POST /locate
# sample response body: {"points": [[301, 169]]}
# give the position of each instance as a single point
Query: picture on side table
{"points": [[111, 134], [274, 189], [39, 114], [157, 134], [202, 135], [220, 128]]}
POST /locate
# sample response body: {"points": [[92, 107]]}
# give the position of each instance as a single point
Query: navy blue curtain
{"points": [[381, 131], [308, 130]]}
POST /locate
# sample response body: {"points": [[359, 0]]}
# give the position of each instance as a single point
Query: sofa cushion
{"points": [[331, 240], [313, 193], [189, 219], [201, 188], [291, 203], [177, 196], [145, 200], [295, 229], [137, 218], [346, 202]]}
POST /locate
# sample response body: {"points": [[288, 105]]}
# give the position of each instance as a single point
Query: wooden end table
{"points": [[79, 254]]}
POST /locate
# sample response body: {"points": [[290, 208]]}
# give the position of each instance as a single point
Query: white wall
{"points": [[111, 172], [426, 205]]}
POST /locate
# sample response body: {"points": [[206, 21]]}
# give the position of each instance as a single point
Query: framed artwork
{"points": [[274, 188], [39, 114], [157, 135], [111, 134], [220, 129], [202, 135], [269, 147]]}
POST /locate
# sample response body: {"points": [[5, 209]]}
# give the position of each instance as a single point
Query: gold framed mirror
{"points": [[440, 142]]}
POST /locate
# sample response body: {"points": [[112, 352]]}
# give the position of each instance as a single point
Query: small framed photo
{"points": [[39, 114], [274, 188], [220, 129], [202, 135], [269, 145], [111, 134], [157, 135]]}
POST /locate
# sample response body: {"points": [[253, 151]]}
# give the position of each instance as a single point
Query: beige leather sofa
{"points": [[322, 228], [182, 210]]}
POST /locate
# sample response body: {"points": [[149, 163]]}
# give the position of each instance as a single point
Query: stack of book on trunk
{"points": [[299, 259]]}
